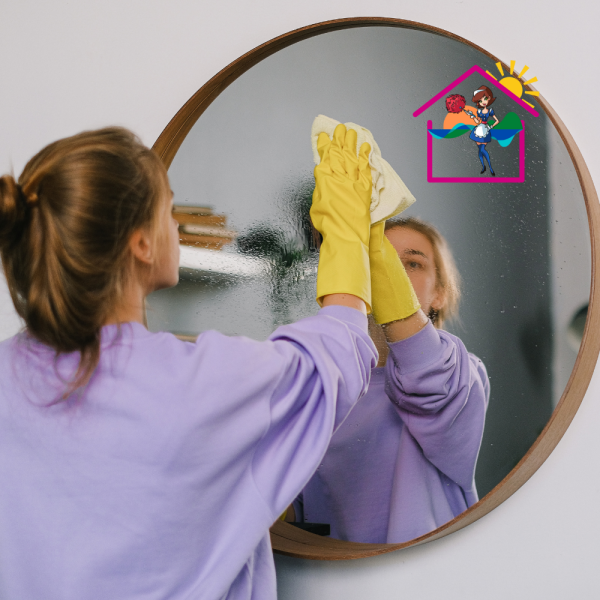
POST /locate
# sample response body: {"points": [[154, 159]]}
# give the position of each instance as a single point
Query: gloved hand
{"points": [[393, 295], [341, 213]]}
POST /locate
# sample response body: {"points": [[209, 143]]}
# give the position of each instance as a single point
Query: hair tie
{"points": [[26, 200]]}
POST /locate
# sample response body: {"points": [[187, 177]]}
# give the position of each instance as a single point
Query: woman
{"points": [[132, 464], [482, 134], [403, 462]]}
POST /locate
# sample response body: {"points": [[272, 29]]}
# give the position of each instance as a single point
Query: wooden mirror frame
{"points": [[291, 541]]}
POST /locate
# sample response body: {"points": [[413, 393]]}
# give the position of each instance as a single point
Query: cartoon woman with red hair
{"points": [[482, 134]]}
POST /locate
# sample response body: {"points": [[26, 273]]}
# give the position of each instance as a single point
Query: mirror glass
{"points": [[243, 178]]}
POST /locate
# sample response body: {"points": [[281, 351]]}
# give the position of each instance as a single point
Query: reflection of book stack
{"points": [[199, 227]]}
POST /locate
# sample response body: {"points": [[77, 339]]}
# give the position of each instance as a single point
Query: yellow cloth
{"points": [[340, 212], [389, 195], [392, 292]]}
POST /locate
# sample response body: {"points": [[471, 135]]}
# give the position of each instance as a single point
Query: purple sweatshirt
{"points": [[162, 478], [403, 462]]}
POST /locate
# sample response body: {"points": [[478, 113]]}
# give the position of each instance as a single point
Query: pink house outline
{"points": [[475, 69]]}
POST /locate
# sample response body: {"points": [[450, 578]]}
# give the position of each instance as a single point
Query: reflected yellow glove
{"points": [[341, 213], [393, 295]]}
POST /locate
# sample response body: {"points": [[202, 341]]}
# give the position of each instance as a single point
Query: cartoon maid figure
{"points": [[482, 134]]}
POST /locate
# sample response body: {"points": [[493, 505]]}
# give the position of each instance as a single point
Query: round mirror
{"points": [[241, 167]]}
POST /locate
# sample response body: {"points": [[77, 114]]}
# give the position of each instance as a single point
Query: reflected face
{"points": [[166, 271], [416, 253]]}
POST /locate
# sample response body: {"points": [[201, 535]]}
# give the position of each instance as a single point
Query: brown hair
{"points": [[485, 91], [64, 233], [447, 275]]}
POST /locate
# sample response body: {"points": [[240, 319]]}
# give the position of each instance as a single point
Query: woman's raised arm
{"points": [[441, 393]]}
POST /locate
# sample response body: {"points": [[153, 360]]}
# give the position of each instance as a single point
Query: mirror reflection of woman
{"points": [[403, 462], [482, 134]]}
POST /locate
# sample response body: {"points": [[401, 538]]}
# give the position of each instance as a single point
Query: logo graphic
{"points": [[480, 121], [511, 82]]}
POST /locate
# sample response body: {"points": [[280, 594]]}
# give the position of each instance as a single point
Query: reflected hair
{"points": [[64, 233], [447, 277]]}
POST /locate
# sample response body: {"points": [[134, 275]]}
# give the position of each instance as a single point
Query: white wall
{"points": [[66, 66]]}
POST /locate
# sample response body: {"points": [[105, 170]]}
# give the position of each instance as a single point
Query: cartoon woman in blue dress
{"points": [[482, 134]]}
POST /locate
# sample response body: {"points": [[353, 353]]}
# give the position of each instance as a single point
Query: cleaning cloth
{"points": [[389, 195]]}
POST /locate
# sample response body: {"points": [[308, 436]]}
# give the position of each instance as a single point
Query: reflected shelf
{"points": [[202, 260]]}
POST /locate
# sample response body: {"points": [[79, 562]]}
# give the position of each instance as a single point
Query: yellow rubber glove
{"points": [[341, 213], [393, 295]]}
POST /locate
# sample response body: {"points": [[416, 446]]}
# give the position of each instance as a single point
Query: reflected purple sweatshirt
{"points": [[403, 462], [162, 478]]}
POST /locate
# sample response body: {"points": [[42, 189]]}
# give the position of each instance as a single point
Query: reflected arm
{"points": [[405, 328], [441, 393], [382, 335]]}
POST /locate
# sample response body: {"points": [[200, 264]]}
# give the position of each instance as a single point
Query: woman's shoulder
{"points": [[6, 343], [213, 359], [457, 342], [8, 348], [169, 348]]}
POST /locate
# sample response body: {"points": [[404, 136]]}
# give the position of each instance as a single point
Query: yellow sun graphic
{"points": [[512, 83]]}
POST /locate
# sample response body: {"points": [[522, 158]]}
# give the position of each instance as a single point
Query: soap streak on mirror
{"points": [[522, 249]]}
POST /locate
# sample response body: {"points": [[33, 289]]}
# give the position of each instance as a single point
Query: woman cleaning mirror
{"points": [[522, 248], [135, 464]]}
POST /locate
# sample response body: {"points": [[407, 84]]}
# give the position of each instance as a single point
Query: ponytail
{"points": [[13, 208]]}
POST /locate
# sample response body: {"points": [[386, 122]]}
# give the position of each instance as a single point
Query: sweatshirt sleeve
{"points": [[441, 393], [326, 366]]}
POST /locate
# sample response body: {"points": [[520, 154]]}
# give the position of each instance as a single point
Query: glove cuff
{"points": [[344, 269]]}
